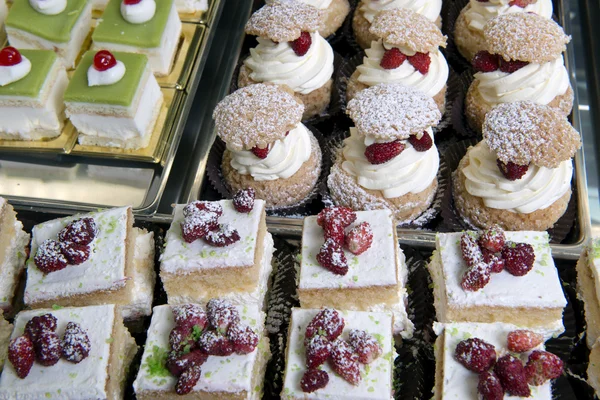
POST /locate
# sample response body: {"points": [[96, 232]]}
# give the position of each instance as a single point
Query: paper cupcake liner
{"points": [[458, 117], [453, 222], [215, 176], [450, 12], [335, 143]]}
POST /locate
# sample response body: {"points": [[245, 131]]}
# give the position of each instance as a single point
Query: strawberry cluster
{"points": [[334, 221], [323, 343], [484, 61], [302, 44], [512, 171], [263, 152], [201, 221], [198, 334], [488, 253], [507, 374], [379, 153], [41, 343], [393, 58], [71, 248]]}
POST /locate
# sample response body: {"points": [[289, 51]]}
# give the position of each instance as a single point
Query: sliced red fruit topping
{"points": [[421, 62], [345, 362], [75, 253], [331, 256], [493, 260], [104, 60], [328, 322], [221, 314], [523, 340], [422, 144], [489, 386], [475, 354], [190, 315], [470, 250], [40, 323], [360, 238], [484, 61], [392, 58], [49, 257], [76, 343], [512, 376], [365, 345], [261, 153], [48, 348], [342, 215], [543, 366], [243, 200], [243, 338], [379, 153], [197, 225], [302, 44], [333, 229], [511, 66], [518, 258], [131, 2], [215, 344], [181, 339], [492, 239], [512, 171], [81, 231], [521, 3], [318, 349], [177, 363], [313, 380], [477, 277], [21, 355], [222, 237], [9, 56], [196, 206], [188, 379]]}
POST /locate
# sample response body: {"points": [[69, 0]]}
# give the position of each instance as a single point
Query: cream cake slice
{"points": [[588, 288], [100, 375], [453, 380], [375, 280], [238, 272], [119, 269], [5, 331], [375, 380], [535, 299], [235, 376], [593, 370], [13, 253]]}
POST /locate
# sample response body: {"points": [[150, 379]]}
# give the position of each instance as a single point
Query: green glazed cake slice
{"points": [[115, 114], [41, 24], [148, 27]]}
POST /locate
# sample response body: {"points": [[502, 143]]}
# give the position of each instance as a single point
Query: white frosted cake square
{"points": [[199, 271], [97, 376], [119, 269], [588, 287], [376, 377], [236, 376], [375, 280], [535, 299]]}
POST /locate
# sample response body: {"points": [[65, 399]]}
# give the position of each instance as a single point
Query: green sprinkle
{"points": [[196, 332], [355, 278], [56, 307], [371, 389], [109, 340], [208, 374], [48, 395], [156, 363]]}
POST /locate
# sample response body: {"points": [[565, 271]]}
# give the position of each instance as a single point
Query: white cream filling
{"points": [[12, 265], [429, 8], [479, 13], [191, 6], [143, 288]]}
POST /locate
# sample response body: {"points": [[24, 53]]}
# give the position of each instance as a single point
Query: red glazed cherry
{"points": [[104, 60], [131, 2], [9, 56]]}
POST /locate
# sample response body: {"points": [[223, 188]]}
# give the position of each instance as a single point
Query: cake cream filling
{"points": [[160, 58], [371, 73], [12, 265], [479, 13], [191, 6], [277, 63], [284, 159], [143, 286], [539, 83], [538, 189], [410, 172], [429, 8]]}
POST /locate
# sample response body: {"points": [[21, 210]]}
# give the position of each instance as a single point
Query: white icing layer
{"points": [[185, 258], [48, 7], [376, 382], [539, 83], [429, 8], [538, 189], [66, 380], [107, 77], [12, 265], [138, 13], [410, 172], [143, 276], [277, 63], [479, 13], [284, 159], [371, 72], [13, 73], [103, 270]]}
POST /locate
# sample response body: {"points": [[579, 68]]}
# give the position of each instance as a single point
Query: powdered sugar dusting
{"points": [[284, 20]]}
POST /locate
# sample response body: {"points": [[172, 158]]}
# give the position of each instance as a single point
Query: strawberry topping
{"points": [[215, 344], [81, 231], [333, 229], [38, 324], [523, 340], [518, 258], [9, 56], [475, 354], [492, 239], [318, 350], [221, 314], [543, 366], [345, 362], [332, 257], [188, 379], [494, 260], [76, 344], [75, 253], [181, 339], [104, 60], [313, 380], [392, 58], [489, 386], [379, 153], [48, 348], [421, 62], [21, 355], [476, 277], [365, 345], [197, 225], [243, 200], [49, 257], [521, 3], [360, 238], [197, 206], [512, 171], [422, 144], [342, 215], [177, 363], [470, 250], [511, 66], [512, 376], [222, 237], [483, 61], [190, 315], [243, 338], [302, 44], [261, 153], [328, 323]]}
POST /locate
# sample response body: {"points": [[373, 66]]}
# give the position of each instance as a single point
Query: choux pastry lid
{"points": [[284, 20]]}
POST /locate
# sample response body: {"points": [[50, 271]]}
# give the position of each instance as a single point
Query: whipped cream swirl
{"points": [[107, 77], [539, 83], [284, 159], [428, 8], [13, 73], [371, 72], [321, 4], [539, 188], [410, 172], [49, 7], [479, 13], [138, 13], [277, 63]]}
